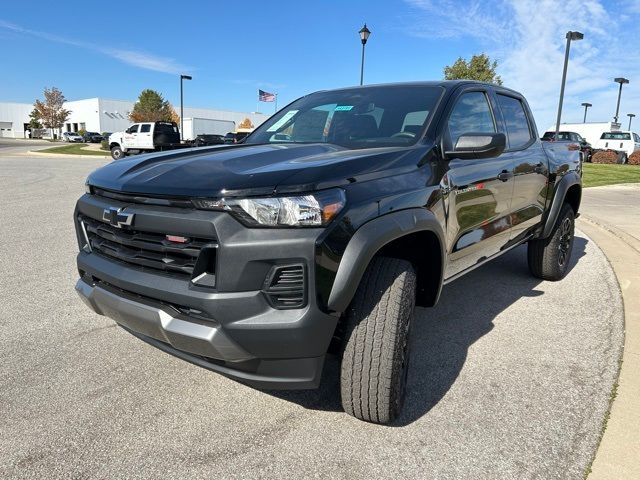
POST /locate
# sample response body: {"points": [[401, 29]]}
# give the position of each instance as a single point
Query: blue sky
{"points": [[294, 47]]}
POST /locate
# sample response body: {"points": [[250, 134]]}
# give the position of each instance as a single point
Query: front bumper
{"points": [[232, 328], [201, 343]]}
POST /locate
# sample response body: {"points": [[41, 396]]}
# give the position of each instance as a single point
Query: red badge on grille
{"points": [[176, 239]]}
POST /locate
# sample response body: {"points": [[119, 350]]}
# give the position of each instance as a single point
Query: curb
{"points": [[60, 155], [618, 454]]}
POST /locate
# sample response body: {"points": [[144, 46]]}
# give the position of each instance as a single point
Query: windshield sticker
{"points": [[285, 118], [343, 108]]}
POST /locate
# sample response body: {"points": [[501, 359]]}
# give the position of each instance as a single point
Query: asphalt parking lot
{"points": [[510, 376]]}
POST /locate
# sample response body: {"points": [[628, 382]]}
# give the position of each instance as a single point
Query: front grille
{"points": [[285, 287], [144, 249], [143, 199]]}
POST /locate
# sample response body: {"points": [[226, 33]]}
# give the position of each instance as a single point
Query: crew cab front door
{"points": [[130, 137], [477, 192]]}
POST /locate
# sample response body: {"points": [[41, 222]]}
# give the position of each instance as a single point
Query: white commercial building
{"points": [[104, 115]]}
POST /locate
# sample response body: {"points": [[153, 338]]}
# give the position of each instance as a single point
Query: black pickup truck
{"points": [[326, 226]]}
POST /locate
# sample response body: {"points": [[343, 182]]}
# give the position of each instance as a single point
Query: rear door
{"points": [[477, 192], [145, 136], [530, 164]]}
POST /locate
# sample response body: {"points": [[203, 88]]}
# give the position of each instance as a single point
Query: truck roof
{"points": [[447, 84]]}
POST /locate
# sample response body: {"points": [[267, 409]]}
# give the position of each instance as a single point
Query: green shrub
{"points": [[104, 144]]}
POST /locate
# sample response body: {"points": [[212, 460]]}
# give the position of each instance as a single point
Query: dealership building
{"points": [[103, 115]]}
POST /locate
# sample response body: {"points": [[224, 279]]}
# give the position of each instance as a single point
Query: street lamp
{"points": [[182, 77], [585, 105], [630, 115], [364, 36], [570, 36], [621, 81]]}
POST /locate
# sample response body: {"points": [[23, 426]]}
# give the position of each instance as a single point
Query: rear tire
{"points": [[622, 158], [549, 258], [376, 355], [117, 153]]}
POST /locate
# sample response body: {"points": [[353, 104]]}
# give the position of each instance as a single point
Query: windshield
{"points": [[615, 136], [353, 118]]}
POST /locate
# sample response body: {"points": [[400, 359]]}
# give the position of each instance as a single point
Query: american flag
{"points": [[266, 96]]}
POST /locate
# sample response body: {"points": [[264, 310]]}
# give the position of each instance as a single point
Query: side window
{"points": [[133, 128], [471, 114], [515, 119], [145, 128], [636, 137]]}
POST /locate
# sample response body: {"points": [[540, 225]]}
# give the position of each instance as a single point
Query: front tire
{"points": [[549, 258], [117, 153], [376, 355]]}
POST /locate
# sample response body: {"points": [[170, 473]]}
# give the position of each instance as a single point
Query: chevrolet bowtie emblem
{"points": [[114, 216]]}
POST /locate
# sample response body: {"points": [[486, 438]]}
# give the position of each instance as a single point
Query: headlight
{"points": [[311, 210]]}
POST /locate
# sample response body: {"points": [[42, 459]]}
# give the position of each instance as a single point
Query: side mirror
{"points": [[478, 145]]}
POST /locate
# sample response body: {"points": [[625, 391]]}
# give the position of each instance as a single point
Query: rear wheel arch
{"points": [[573, 197], [568, 190]]}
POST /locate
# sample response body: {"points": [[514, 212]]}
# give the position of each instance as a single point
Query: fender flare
{"points": [[368, 240], [562, 187]]}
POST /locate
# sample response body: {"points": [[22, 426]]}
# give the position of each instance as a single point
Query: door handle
{"points": [[504, 176]]}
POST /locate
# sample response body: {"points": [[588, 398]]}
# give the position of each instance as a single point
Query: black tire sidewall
{"points": [[543, 254], [115, 155], [378, 341], [567, 213]]}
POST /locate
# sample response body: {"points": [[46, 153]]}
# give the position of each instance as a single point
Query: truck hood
{"points": [[249, 169]]}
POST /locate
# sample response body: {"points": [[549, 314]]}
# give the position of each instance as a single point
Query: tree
{"points": [[151, 107], [246, 124], [34, 120], [480, 67], [174, 115], [52, 111]]}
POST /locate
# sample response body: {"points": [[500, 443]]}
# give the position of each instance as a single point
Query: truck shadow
{"points": [[442, 335]]}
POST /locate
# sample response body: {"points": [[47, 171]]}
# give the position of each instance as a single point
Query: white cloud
{"points": [[134, 58], [146, 60], [527, 37]]}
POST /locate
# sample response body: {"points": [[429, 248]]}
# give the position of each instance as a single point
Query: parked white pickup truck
{"points": [[625, 143], [145, 137]]}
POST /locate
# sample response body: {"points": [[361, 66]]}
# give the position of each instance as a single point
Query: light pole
{"points": [[621, 81], [182, 77], [570, 36], [364, 36], [630, 115], [586, 105]]}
